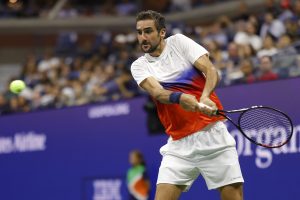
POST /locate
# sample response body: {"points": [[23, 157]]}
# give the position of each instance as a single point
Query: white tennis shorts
{"points": [[210, 152]]}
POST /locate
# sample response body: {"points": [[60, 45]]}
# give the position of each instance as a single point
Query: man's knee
{"points": [[168, 191], [232, 192]]}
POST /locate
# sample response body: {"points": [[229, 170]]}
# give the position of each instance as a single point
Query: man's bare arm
{"points": [[212, 78], [155, 89]]}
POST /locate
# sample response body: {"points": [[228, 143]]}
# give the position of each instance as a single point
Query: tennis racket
{"points": [[262, 125]]}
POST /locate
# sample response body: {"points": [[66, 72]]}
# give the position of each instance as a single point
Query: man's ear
{"points": [[163, 32]]}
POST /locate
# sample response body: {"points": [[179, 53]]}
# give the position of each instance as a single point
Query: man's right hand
{"points": [[209, 107], [189, 102]]}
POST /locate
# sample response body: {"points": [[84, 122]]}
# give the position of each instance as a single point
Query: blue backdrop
{"points": [[81, 153]]}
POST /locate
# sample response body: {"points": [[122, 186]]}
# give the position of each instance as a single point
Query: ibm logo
{"points": [[107, 189]]}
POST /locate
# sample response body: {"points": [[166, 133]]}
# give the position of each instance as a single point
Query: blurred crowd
{"points": [[88, 8], [248, 48]]}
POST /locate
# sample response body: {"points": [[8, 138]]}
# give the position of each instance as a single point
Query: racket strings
{"points": [[266, 126]]}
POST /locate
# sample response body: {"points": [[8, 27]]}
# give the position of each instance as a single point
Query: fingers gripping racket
{"points": [[262, 125]]}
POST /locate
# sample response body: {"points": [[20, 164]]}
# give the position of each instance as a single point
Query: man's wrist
{"points": [[175, 97], [204, 97]]}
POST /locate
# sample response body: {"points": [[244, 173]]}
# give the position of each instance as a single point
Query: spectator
{"points": [[227, 26], [248, 72], [216, 54], [48, 62], [266, 69], [217, 34], [296, 8], [272, 7], [243, 12], [292, 27], [4, 107], [247, 51], [272, 26], [248, 36], [269, 49], [286, 12], [232, 58], [13, 105], [137, 178], [287, 59], [284, 45]]}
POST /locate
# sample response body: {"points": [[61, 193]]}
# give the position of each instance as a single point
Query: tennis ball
{"points": [[17, 86]]}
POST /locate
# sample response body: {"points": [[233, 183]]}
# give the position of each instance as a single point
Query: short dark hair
{"points": [[159, 19], [140, 156]]}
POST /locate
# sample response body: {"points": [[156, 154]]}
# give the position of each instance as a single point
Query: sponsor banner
{"points": [[263, 156], [23, 142], [104, 189], [48, 154], [109, 110]]}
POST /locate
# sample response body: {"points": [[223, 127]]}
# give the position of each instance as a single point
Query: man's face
{"points": [[265, 64], [148, 36], [250, 28]]}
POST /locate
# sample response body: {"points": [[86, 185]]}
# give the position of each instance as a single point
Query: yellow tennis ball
{"points": [[17, 86]]}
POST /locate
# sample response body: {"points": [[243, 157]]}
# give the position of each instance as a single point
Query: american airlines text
{"points": [[23, 142]]}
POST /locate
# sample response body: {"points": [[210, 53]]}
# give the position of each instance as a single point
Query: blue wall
{"points": [[82, 153]]}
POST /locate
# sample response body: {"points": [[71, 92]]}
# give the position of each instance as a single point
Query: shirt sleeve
{"points": [[190, 48], [139, 71]]}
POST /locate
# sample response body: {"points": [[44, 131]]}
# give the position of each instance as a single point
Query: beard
{"points": [[151, 47]]}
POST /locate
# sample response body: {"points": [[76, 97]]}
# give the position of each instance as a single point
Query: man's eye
{"points": [[148, 31]]}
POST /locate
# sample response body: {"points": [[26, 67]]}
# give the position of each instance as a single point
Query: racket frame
{"points": [[242, 111]]}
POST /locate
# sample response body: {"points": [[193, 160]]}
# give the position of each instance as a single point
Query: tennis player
{"points": [[178, 74]]}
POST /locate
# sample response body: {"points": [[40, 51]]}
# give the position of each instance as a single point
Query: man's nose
{"points": [[143, 36]]}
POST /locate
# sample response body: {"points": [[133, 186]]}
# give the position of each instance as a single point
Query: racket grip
{"points": [[202, 105]]}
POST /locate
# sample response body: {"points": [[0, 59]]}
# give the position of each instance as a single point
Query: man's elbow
{"points": [[161, 96], [156, 93]]}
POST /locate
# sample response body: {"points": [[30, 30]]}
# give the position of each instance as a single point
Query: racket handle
{"points": [[202, 105]]}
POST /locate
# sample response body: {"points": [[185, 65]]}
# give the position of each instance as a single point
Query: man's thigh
{"points": [[177, 171], [165, 191]]}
